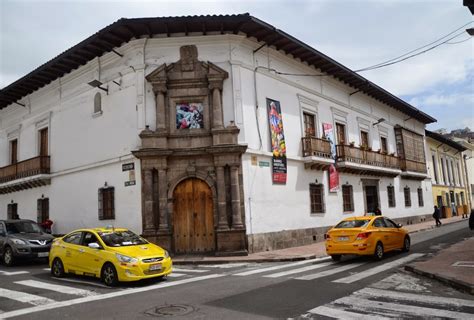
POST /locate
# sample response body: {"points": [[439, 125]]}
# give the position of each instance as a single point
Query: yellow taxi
{"points": [[111, 254], [366, 235]]}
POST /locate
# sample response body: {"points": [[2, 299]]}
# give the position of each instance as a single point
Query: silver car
{"points": [[23, 239]]}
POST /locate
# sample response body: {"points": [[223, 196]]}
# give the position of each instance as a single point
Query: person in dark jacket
{"points": [[471, 220], [437, 215], [378, 212]]}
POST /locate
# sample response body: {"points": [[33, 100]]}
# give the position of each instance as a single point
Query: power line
{"points": [[459, 41]]}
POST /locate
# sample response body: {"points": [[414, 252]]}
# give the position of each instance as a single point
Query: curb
{"points": [[455, 283]]}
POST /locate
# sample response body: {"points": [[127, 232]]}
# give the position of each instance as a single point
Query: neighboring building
{"points": [[162, 125], [448, 175], [468, 156]]}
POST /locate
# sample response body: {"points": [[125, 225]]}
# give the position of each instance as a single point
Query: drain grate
{"points": [[170, 310]]}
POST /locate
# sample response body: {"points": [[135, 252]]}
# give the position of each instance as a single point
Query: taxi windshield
{"points": [[352, 224], [121, 238]]}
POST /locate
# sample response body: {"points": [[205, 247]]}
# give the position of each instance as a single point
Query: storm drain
{"points": [[170, 310]]}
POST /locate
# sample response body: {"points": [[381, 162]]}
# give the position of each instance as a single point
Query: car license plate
{"points": [[43, 254], [155, 267], [343, 238]]}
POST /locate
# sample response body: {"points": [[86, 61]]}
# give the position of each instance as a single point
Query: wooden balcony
{"points": [[25, 174], [415, 170], [317, 153], [366, 162]]}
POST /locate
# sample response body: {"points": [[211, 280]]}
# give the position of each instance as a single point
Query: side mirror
{"points": [[94, 245], [399, 225]]}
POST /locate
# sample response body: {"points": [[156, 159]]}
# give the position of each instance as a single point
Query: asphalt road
{"points": [[304, 289]]}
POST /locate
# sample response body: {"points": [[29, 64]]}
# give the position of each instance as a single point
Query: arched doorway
{"points": [[193, 218]]}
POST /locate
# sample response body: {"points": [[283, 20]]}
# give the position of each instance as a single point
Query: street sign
{"points": [[128, 166]]}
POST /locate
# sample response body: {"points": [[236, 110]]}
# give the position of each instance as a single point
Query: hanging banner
{"points": [[333, 174], [278, 141]]}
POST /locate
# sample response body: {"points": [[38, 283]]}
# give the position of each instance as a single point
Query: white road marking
{"points": [[176, 275], [378, 269], [333, 312], [189, 270], [13, 273], [224, 265], [60, 304], [25, 297], [326, 273], [394, 295], [288, 265], [47, 269], [57, 288], [366, 305], [299, 270]]}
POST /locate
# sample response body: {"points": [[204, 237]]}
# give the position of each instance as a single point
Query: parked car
{"points": [[366, 235], [111, 254], [23, 239]]}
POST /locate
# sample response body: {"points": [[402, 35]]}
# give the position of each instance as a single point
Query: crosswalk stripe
{"points": [[13, 273], [25, 297], [190, 270], [288, 265], [366, 305], [57, 288], [394, 295], [299, 270], [71, 302], [176, 275], [326, 273], [224, 265], [331, 311], [378, 269]]}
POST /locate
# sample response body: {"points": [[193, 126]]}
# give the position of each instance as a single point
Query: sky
{"points": [[356, 33]]}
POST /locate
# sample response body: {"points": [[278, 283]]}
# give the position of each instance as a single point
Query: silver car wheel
{"points": [[8, 256]]}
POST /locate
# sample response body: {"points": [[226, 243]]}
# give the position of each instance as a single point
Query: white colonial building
{"points": [[206, 134]]}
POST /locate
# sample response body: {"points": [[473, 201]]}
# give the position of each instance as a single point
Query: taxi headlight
{"points": [[167, 255], [125, 259], [18, 241]]}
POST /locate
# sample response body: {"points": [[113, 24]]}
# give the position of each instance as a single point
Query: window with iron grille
{"points": [[42, 210], [420, 197], [107, 203], [406, 192], [316, 193], [391, 196], [347, 198]]}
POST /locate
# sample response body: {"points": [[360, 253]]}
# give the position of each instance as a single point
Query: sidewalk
{"points": [[311, 251]]}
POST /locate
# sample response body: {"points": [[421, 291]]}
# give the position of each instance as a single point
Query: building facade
{"points": [[447, 170], [205, 134], [468, 156]]}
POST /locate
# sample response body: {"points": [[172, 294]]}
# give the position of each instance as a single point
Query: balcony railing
{"points": [[366, 157], [313, 146], [26, 168], [415, 166]]}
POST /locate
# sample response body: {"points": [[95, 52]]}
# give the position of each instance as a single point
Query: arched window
{"points": [[98, 103]]}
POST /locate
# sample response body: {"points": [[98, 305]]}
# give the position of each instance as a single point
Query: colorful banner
{"points": [[278, 141], [333, 174]]}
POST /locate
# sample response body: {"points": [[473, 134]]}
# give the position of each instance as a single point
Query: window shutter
{"points": [[9, 211], [100, 198], [39, 210], [112, 203]]}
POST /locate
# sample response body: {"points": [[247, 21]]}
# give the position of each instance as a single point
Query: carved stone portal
{"points": [[192, 194]]}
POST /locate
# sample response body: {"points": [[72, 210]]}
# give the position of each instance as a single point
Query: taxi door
{"points": [[69, 250], [397, 234], [91, 259], [381, 233]]}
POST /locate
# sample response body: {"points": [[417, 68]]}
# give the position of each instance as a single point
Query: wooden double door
{"points": [[193, 217]]}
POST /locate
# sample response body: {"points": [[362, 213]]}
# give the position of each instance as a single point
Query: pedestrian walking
{"points": [[437, 215], [378, 212], [471, 220]]}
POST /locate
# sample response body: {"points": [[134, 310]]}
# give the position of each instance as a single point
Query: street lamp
{"points": [[97, 84]]}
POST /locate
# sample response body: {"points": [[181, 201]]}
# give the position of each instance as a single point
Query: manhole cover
{"points": [[170, 310]]}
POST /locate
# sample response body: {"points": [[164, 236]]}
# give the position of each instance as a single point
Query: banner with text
{"points": [[278, 141], [333, 174]]}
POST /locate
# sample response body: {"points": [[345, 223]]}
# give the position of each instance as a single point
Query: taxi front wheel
{"points": [[57, 268], [109, 275], [406, 244]]}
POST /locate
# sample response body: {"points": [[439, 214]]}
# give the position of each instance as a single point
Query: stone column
{"points": [[235, 192], [163, 199], [217, 118], [160, 108], [149, 203], [221, 204]]}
